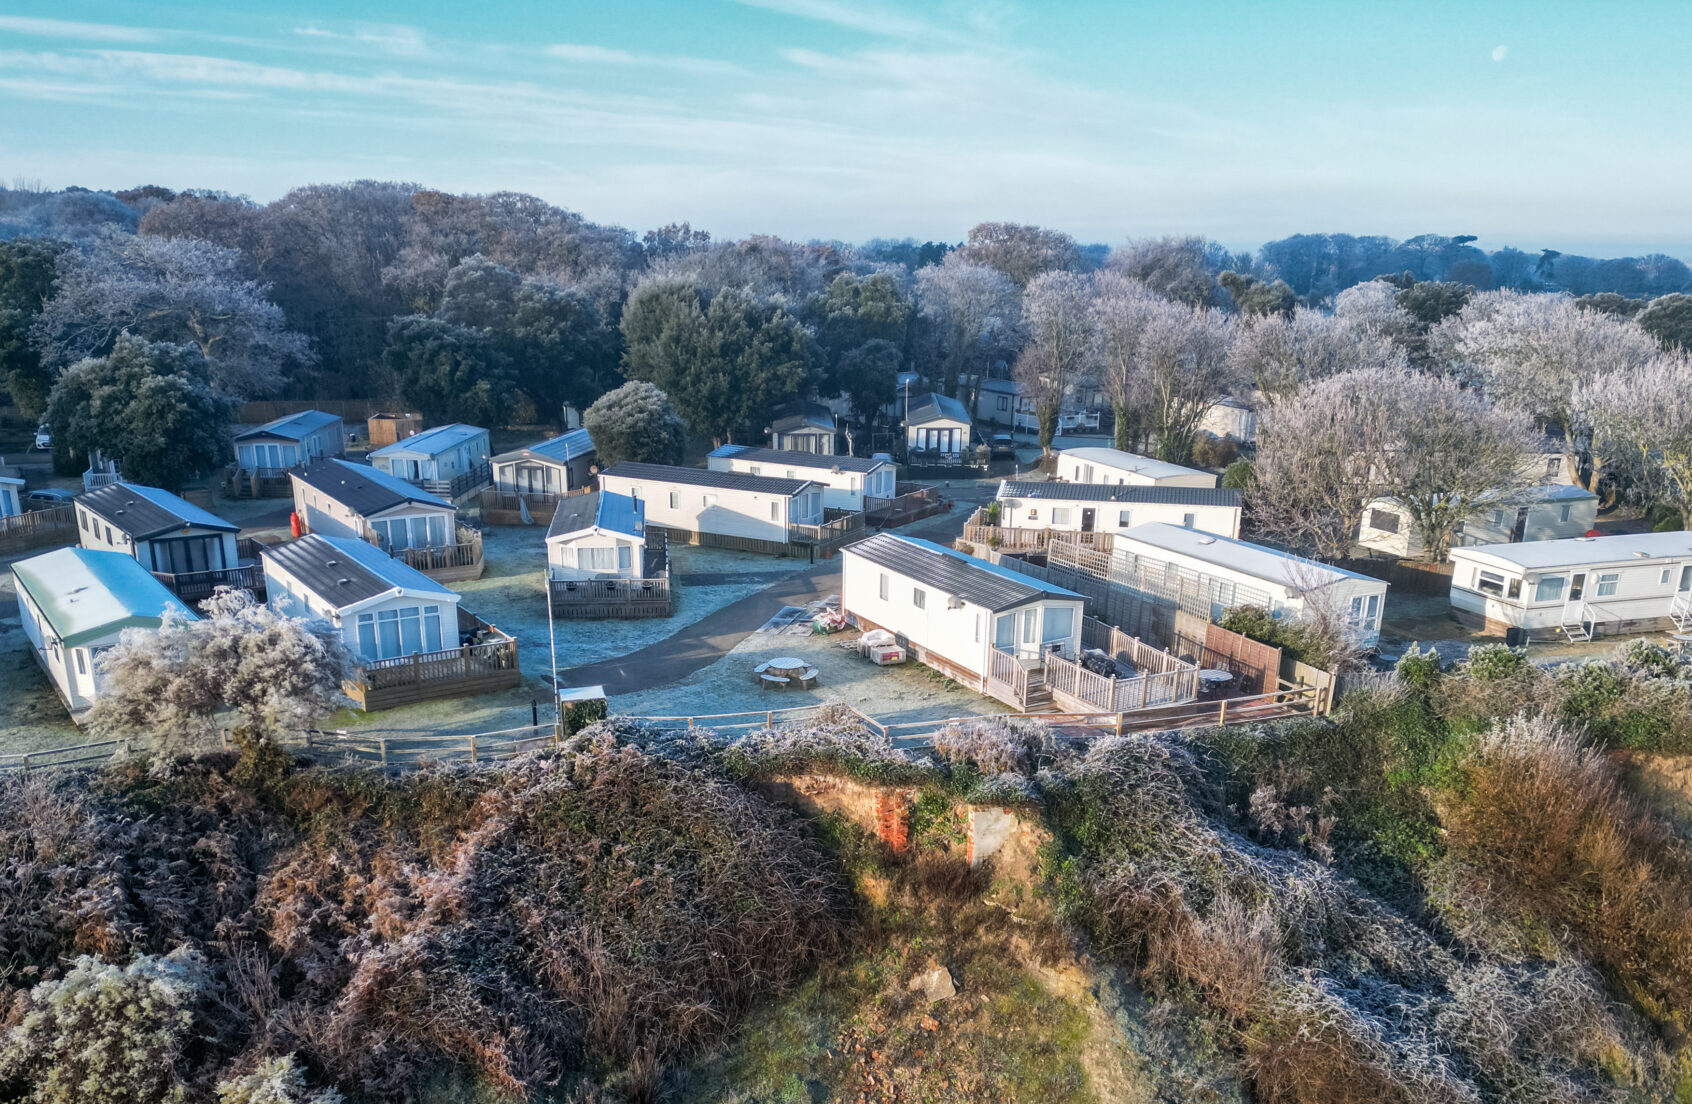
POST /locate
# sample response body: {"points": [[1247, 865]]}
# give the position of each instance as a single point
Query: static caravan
{"points": [[1231, 417], [804, 427], [936, 429], [1113, 466], [1238, 572], [338, 498], [983, 625], [162, 531], [1114, 508], [1630, 582], [274, 447], [1005, 402], [381, 608], [1555, 512], [692, 503], [845, 480], [449, 459], [553, 467], [73, 604], [598, 536], [11, 493]]}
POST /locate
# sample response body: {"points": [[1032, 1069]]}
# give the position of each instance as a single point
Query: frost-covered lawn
{"points": [[910, 692]]}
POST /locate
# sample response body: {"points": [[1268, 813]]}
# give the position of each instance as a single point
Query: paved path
{"points": [[714, 636]]}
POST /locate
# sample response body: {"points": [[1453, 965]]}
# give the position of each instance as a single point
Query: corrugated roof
{"points": [[560, 449], [144, 512], [432, 441], [1582, 551], [575, 513], [704, 477], [85, 594], [1131, 462], [292, 427], [807, 415], [793, 458], [361, 488], [1120, 492], [344, 572], [1256, 560], [953, 573], [615, 513], [932, 407]]}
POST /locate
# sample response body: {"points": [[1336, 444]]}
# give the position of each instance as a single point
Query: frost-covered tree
{"points": [[1668, 318], [1257, 297], [1184, 368], [1182, 269], [148, 406], [28, 268], [1122, 308], [1642, 424], [274, 1081], [636, 422], [1020, 252], [166, 685], [1279, 354], [1529, 352], [977, 309], [1059, 353], [108, 1033], [171, 290], [450, 373]]}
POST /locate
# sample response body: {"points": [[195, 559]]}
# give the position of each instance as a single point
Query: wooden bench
{"points": [[808, 678], [773, 682]]}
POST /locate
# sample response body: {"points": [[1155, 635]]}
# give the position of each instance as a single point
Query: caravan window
{"points": [[1607, 583], [1564, 512], [1060, 515], [624, 557], [1122, 518], [1060, 621], [918, 598], [1549, 589], [1489, 582], [883, 590]]}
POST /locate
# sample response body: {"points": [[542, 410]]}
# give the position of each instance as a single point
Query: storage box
{"points": [[885, 655]]}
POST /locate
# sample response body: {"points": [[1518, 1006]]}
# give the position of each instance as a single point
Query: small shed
{"points": [[552, 467], [1236, 572], [387, 429], [162, 531], [937, 429], [447, 460], [1113, 466], [271, 449], [74, 602], [845, 480]]}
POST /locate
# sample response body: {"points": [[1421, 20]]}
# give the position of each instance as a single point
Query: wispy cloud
{"points": [[1498, 52], [867, 18], [389, 38], [584, 54], [62, 28]]}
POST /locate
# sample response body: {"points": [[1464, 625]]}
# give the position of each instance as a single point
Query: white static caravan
{"points": [[437, 458], [338, 498], [554, 467], [1115, 508], [845, 480], [1005, 402], [1575, 588], [274, 447], [11, 493], [956, 613], [723, 504], [598, 536], [381, 608], [74, 602], [1231, 417], [936, 428], [163, 532], [804, 427], [1113, 466], [1287, 584], [1555, 512]]}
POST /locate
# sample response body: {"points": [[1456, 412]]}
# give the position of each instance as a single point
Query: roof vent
{"points": [[343, 582], [1207, 540], [1638, 554]]}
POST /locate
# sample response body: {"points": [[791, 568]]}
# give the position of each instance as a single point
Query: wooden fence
{"points": [[448, 563], [911, 502], [196, 586], [348, 410], [610, 599], [389, 749], [72, 755], [977, 530], [425, 676], [833, 532], [463, 484], [37, 529], [1068, 679]]}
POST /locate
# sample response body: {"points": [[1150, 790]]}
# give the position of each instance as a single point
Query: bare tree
{"points": [[1182, 269], [1183, 359], [1642, 423], [1059, 353], [977, 308], [1020, 252], [1530, 351], [1280, 354], [1122, 309], [167, 685]]}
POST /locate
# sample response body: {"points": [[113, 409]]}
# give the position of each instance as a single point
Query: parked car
{"points": [[43, 438], [1004, 446], [47, 498]]}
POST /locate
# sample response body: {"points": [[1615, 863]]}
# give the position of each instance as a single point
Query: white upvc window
{"points": [[1189, 521], [1564, 512], [918, 598], [675, 500], [1060, 515], [883, 587], [1489, 582], [1607, 583]]}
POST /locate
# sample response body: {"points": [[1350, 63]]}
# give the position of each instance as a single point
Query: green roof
{"points": [[85, 594]]}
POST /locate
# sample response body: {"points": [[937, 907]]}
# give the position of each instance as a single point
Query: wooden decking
{"points": [[450, 673], [450, 563]]}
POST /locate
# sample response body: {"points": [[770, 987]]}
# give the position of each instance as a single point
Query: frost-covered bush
{"points": [[1494, 662], [1419, 669], [996, 745], [1645, 657], [834, 737], [113, 1034], [274, 1081]]}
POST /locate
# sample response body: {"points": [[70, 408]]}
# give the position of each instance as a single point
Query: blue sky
{"points": [[1533, 124]]}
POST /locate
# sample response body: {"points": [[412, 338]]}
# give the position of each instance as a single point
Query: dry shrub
{"points": [[996, 745], [1542, 830]]}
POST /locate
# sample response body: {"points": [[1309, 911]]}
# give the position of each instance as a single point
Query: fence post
{"points": [[383, 742], [1119, 719], [416, 668], [1222, 712], [769, 718]]}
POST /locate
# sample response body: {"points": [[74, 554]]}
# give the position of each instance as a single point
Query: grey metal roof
{"points": [[975, 581], [362, 488], [574, 514], [431, 442], [933, 407], [704, 477], [143, 512], [808, 415], [794, 458], [291, 427], [1116, 492], [343, 571], [560, 449]]}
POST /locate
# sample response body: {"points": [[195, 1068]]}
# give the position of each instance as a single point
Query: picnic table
{"points": [[785, 672]]}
